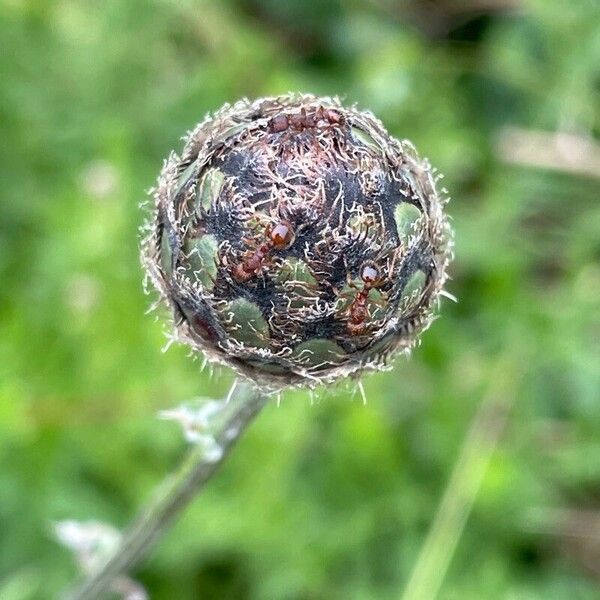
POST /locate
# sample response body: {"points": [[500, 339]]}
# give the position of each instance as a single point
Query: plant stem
{"points": [[174, 494]]}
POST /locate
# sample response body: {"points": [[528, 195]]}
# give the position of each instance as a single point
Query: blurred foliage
{"points": [[331, 499]]}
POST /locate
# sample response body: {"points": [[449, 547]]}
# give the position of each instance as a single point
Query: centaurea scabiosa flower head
{"points": [[296, 241]]}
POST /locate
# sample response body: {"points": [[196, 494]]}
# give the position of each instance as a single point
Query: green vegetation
{"points": [[332, 499]]}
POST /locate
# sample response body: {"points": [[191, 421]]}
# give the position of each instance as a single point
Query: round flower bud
{"points": [[296, 241]]}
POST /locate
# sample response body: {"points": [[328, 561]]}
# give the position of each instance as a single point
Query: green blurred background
{"points": [[332, 499]]}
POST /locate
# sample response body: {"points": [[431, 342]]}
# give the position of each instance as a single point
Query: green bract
{"points": [[296, 241]]}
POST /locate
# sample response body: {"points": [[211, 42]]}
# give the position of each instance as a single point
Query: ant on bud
{"points": [[301, 121], [279, 237], [330, 115], [358, 311], [278, 123]]}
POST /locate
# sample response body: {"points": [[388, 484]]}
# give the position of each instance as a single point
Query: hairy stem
{"points": [[174, 494]]}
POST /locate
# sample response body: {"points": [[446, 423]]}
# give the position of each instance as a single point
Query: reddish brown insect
{"points": [[279, 237], [278, 123], [332, 116], [303, 120], [358, 311]]}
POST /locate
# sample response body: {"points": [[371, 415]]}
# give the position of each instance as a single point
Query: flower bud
{"points": [[296, 241]]}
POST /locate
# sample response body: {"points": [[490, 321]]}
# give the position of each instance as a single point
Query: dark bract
{"points": [[296, 241]]}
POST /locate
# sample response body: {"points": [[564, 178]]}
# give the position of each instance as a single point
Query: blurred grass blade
{"points": [[466, 478]]}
